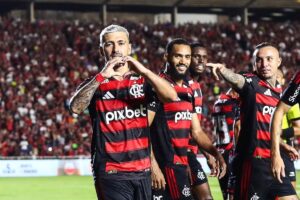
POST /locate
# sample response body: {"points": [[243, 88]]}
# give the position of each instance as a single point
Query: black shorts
{"points": [[197, 174], [290, 170], [177, 187], [255, 181], [224, 180], [113, 189]]}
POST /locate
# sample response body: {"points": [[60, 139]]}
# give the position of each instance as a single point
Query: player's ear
{"points": [[165, 57], [101, 51], [279, 62], [129, 49]]}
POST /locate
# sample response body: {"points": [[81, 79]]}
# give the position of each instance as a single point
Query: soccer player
{"points": [[117, 99], [225, 115], [170, 129], [199, 182], [290, 98], [259, 94]]}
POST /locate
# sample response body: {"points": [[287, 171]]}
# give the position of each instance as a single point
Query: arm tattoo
{"points": [[236, 80], [81, 99]]}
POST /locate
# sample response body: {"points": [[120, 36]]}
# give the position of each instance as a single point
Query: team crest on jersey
{"points": [[255, 197], [200, 175], [186, 191], [136, 90]]}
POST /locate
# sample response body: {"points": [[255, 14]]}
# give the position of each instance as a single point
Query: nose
{"points": [[115, 48]]}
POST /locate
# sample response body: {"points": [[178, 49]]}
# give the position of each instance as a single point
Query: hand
{"points": [[277, 167], [215, 67], [109, 69], [157, 177], [211, 162], [293, 153], [289, 150], [221, 166], [136, 66]]}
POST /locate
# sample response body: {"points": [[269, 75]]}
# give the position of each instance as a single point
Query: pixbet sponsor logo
{"points": [[183, 116], [125, 114], [268, 110], [198, 109]]}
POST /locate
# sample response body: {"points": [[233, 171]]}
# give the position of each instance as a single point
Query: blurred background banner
{"points": [[49, 167]]}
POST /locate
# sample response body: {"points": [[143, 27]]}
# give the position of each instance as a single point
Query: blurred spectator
{"points": [[42, 62]]}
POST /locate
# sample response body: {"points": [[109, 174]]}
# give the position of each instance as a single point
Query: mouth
{"points": [[182, 67], [200, 66], [116, 55]]}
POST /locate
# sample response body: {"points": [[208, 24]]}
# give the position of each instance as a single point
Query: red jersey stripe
{"points": [[175, 106], [108, 105], [180, 159], [229, 120], [226, 108], [125, 124], [125, 146], [261, 152], [265, 118], [180, 142], [198, 101], [297, 78], [182, 124], [136, 165], [266, 100], [263, 135]]}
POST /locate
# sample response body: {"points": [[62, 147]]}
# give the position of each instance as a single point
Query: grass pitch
{"points": [[67, 188]]}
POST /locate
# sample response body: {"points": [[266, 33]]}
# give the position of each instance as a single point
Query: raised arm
{"points": [[205, 143], [237, 81], [164, 90], [81, 99]]}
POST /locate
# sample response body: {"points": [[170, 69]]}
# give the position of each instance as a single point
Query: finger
{"points": [[278, 177], [164, 184], [282, 172], [223, 170], [215, 73]]}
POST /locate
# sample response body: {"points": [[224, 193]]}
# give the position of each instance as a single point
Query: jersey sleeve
{"points": [[151, 97], [248, 86], [291, 95]]}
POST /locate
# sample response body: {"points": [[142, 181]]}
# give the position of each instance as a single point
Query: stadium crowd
{"points": [[41, 63]]}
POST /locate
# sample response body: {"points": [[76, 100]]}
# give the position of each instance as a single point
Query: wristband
{"points": [[99, 78], [288, 133]]}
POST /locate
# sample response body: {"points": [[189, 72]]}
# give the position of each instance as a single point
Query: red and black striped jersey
{"points": [[171, 126], [197, 93], [258, 102], [291, 95], [225, 113], [121, 140]]}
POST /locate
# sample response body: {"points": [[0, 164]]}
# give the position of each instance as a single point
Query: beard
{"points": [[176, 74]]}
